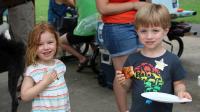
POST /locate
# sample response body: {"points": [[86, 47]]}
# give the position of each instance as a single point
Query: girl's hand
{"points": [[50, 77], [120, 77]]}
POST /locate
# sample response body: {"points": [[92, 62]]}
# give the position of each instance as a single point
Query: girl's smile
{"points": [[47, 47]]}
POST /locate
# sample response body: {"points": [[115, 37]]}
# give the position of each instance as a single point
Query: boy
{"points": [[156, 69]]}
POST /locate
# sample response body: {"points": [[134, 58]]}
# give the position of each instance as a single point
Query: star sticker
{"points": [[160, 64]]}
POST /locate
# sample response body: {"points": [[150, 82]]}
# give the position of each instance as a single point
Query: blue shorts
{"points": [[120, 39]]}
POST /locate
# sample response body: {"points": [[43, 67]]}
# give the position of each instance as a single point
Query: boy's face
{"points": [[151, 37]]}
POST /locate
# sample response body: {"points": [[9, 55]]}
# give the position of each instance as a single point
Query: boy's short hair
{"points": [[153, 15]]}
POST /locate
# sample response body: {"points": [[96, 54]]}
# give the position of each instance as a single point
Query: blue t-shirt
{"points": [[56, 11], [153, 75]]}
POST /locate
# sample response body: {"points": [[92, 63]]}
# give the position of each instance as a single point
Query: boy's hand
{"points": [[120, 77], [180, 90], [184, 94], [128, 72]]}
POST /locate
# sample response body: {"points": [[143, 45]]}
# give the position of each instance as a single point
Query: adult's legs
{"points": [[120, 40], [67, 47], [120, 93], [21, 19]]}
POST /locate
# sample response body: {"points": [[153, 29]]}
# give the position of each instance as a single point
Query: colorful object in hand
{"points": [[128, 72]]}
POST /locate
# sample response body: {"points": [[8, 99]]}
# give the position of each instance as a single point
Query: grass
{"points": [[42, 10], [191, 5]]}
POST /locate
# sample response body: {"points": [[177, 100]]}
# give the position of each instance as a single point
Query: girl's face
{"points": [[47, 47], [151, 37]]}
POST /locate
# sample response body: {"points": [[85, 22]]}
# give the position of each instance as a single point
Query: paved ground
{"points": [[87, 96], [196, 28]]}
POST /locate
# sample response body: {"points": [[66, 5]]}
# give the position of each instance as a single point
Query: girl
{"points": [[44, 80]]}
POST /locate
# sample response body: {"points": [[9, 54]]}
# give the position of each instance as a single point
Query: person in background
{"points": [[56, 13], [119, 36], [44, 81], [155, 68], [21, 18], [84, 8]]}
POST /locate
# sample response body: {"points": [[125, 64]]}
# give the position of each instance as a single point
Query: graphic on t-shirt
{"points": [[160, 64], [151, 76]]}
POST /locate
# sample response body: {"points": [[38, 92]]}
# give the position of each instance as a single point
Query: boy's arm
{"points": [[180, 89], [121, 87], [125, 83]]}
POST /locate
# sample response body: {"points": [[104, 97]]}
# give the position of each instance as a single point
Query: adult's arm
{"points": [[107, 8], [67, 2]]}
